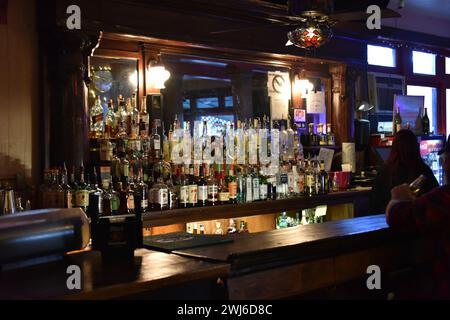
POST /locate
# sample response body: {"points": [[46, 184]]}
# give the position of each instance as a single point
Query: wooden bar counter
{"points": [[294, 261], [276, 264], [149, 273]]}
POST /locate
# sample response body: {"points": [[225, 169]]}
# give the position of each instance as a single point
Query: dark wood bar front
{"points": [[267, 265]]}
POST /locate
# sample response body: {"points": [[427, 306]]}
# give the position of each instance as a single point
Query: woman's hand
{"points": [[402, 193]]}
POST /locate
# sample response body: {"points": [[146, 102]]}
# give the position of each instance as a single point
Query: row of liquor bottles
{"points": [[199, 228], [283, 220], [128, 122], [180, 186], [423, 120]]}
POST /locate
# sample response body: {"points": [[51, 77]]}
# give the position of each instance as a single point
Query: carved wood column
{"points": [[342, 113], [65, 96]]}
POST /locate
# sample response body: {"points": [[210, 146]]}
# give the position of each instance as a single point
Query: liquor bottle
{"points": [[232, 227], [397, 121], [213, 188], [290, 141], [218, 230], [330, 136], [123, 199], [312, 137], [106, 150], [72, 182], [173, 192], [82, 191], [96, 113], [121, 114], [202, 187], [324, 179], [56, 192], [130, 187], [106, 198], [295, 181], [243, 227], [283, 144], [248, 186], [202, 229], [110, 121], [240, 186], [195, 228], [121, 131], [128, 115], [115, 199], [304, 220], [155, 142], [316, 169], [124, 169], [224, 194], [309, 180], [134, 132], [425, 123], [232, 184], [135, 114], [255, 184], [159, 195], [301, 178], [192, 188], [322, 137], [141, 193], [165, 145], [68, 191], [183, 194], [282, 221], [144, 118], [263, 187]]}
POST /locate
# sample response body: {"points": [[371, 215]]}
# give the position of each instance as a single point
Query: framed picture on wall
{"points": [[411, 110]]}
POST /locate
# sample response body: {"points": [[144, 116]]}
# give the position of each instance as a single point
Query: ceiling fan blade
{"points": [[271, 25], [362, 15]]}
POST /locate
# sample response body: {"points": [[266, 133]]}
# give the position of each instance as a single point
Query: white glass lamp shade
{"points": [[157, 76]]}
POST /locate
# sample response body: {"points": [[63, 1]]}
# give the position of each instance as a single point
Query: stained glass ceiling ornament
{"points": [[312, 33]]}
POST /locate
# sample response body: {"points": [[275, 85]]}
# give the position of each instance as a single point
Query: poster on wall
{"points": [[299, 115], [315, 102], [279, 88], [411, 110]]}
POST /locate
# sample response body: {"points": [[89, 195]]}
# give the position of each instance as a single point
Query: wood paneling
{"points": [[19, 149]]}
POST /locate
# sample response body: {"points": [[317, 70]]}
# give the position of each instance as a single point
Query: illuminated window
{"points": [[447, 66], [205, 103], [186, 104], [380, 56], [229, 101], [424, 63]]}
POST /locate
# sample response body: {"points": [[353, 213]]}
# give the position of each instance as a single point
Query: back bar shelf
{"points": [[176, 216]]}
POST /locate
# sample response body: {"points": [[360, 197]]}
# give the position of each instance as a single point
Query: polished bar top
{"points": [[250, 252], [148, 271]]}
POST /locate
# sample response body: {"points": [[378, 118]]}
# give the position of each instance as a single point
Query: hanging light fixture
{"points": [[302, 84], [157, 74], [312, 33]]}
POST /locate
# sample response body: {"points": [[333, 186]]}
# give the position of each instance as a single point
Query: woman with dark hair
{"points": [[404, 165]]}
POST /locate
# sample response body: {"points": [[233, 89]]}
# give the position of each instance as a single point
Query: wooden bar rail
{"points": [[359, 198]]}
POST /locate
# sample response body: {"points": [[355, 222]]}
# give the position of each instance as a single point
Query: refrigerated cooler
{"points": [[429, 147]]}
